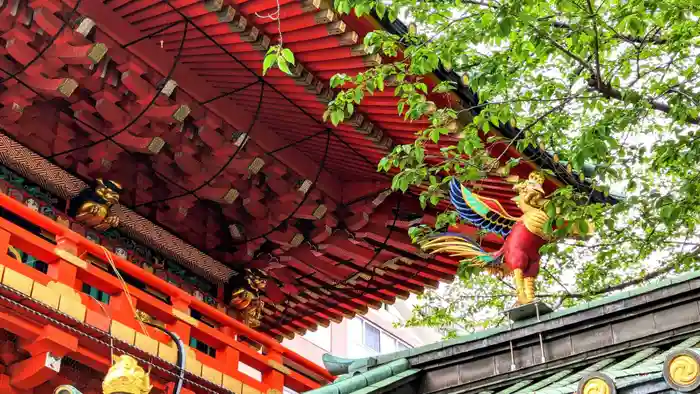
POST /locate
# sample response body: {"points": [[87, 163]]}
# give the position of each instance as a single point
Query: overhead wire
{"points": [[229, 93], [15, 76], [301, 203], [229, 54], [223, 167], [187, 22], [285, 221], [153, 33], [136, 118], [49, 44]]}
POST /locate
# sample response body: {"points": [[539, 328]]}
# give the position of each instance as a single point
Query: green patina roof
{"points": [[382, 359], [644, 365], [369, 381]]}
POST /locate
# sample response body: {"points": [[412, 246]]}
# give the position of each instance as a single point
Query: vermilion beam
{"points": [[24, 329]]}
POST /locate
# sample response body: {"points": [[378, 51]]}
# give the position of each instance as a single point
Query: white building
{"points": [[364, 336]]}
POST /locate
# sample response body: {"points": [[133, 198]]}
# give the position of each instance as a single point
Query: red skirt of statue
{"points": [[521, 251]]}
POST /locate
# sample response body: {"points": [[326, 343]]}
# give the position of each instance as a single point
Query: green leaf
{"points": [[383, 163], [666, 212], [336, 117], [288, 55], [435, 135], [582, 226], [381, 9], [282, 64], [420, 154], [269, 61], [551, 210], [358, 96]]}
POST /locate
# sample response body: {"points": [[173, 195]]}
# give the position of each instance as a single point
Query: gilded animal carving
{"points": [[519, 256], [91, 207], [126, 377], [244, 296]]}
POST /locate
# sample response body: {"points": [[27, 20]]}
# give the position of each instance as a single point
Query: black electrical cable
{"points": [[140, 114], [335, 286], [49, 44], [226, 94], [107, 138], [303, 200], [229, 54], [342, 141], [386, 239], [181, 359], [297, 142], [223, 167], [151, 34]]}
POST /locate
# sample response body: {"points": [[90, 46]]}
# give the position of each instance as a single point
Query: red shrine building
{"points": [[154, 183]]}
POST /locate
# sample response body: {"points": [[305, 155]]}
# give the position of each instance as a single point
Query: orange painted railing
{"points": [[74, 260]]}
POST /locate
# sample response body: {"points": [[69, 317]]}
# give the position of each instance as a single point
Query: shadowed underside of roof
{"points": [[222, 168]]}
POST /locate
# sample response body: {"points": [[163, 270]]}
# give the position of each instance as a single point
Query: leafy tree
{"points": [[607, 83]]}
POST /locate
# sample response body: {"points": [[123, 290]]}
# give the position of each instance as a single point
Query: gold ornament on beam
{"points": [[682, 370], [245, 298], [126, 377], [91, 207], [597, 383], [596, 386]]}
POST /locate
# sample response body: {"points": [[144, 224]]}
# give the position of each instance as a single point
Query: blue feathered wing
{"points": [[482, 212]]}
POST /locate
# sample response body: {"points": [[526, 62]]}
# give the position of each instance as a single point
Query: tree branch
{"points": [[624, 37], [596, 41], [567, 52], [608, 91]]}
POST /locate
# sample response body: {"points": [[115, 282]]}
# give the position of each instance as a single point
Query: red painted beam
{"points": [[26, 330], [36, 370], [159, 60]]}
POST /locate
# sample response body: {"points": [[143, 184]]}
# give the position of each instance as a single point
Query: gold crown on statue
{"points": [[536, 177], [126, 377]]}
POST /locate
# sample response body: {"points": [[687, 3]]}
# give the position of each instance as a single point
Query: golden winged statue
{"points": [[524, 235]]}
